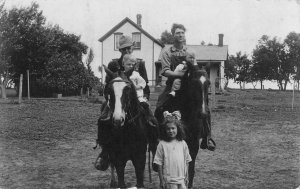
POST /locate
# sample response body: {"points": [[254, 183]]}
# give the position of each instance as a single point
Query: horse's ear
{"points": [[190, 65]]}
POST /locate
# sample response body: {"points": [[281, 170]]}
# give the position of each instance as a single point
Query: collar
{"points": [[173, 49]]}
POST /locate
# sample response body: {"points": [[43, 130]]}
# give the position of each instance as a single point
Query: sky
{"points": [[242, 22]]}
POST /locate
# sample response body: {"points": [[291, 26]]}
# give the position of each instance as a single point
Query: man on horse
{"points": [[171, 57], [115, 67]]}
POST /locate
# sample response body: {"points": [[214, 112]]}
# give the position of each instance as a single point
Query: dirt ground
{"points": [[48, 144]]}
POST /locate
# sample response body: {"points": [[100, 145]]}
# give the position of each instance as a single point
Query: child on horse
{"points": [[129, 62], [126, 46], [182, 67], [115, 67]]}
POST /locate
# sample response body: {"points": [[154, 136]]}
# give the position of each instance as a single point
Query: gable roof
{"points": [[208, 53], [132, 23]]}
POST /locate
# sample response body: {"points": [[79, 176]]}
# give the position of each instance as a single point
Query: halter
{"points": [[127, 82]]}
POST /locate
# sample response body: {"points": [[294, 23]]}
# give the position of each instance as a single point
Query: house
{"points": [[210, 57], [146, 48]]}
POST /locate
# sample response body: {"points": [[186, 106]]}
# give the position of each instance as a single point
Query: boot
{"points": [[102, 161], [208, 143]]}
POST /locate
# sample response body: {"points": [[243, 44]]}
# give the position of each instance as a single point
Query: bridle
{"points": [[128, 83]]}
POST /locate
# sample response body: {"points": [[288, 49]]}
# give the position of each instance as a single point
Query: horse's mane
{"points": [[191, 96]]}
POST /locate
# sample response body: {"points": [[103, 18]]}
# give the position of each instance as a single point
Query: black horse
{"points": [[129, 134], [192, 101]]}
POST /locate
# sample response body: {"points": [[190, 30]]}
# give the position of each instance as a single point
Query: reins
{"points": [[134, 118]]}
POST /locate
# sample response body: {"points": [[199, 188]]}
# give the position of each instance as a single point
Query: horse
{"points": [[129, 133], [192, 101]]}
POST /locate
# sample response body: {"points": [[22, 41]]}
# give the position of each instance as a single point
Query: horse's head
{"points": [[197, 84], [121, 99]]}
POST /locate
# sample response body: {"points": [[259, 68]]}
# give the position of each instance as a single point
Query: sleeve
{"points": [[142, 71], [180, 67], [159, 155], [187, 155], [165, 60]]}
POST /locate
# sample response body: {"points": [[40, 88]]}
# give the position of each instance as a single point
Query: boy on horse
{"points": [[116, 66]]}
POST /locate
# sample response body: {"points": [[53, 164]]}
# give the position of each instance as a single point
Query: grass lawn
{"points": [[48, 144]]}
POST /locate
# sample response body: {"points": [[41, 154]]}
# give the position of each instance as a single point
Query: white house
{"points": [[146, 48]]}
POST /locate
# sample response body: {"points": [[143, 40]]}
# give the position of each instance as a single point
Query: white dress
{"points": [[173, 157], [137, 79]]}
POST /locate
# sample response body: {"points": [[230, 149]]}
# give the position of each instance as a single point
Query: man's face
{"points": [[127, 50], [179, 35], [130, 50]]}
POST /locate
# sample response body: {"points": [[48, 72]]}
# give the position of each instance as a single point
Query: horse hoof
{"points": [[113, 184], [122, 186]]}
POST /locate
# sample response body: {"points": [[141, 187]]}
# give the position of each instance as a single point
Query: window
{"points": [[136, 37], [117, 39]]}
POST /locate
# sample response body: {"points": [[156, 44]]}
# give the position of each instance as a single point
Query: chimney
{"points": [[139, 20], [221, 40]]}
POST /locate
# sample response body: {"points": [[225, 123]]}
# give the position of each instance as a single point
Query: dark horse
{"points": [[192, 101], [128, 130]]}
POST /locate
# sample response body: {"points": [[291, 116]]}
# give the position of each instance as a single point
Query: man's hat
{"points": [[125, 41]]}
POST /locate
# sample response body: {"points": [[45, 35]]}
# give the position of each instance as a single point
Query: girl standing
{"points": [[172, 156]]}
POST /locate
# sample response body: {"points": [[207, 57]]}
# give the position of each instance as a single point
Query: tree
{"points": [[292, 42], [239, 68], [260, 70], [19, 29], [90, 81], [63, 70], [166, 38], [4, 51], [271, 57], [230, 70], [53, 57]]}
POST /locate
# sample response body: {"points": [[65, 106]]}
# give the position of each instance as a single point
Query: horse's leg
{"points": [[120, 167], [113, 182], [139, 161], [194, 148]]}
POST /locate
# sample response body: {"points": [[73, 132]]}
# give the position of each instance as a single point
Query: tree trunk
{"points": [[254, 84], [226, 83], [3, 91], [279, 83], [298, 84], [285, 84], [261, 84]]}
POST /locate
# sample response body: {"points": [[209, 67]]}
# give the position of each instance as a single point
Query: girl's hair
{"points": [[180, 131]]}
